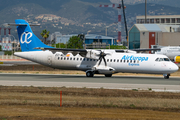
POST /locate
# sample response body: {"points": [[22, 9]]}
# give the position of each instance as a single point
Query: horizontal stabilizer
{"points": [[14, 24]]}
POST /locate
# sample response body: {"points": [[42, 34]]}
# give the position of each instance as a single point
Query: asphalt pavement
{"points": [[116, 82]]}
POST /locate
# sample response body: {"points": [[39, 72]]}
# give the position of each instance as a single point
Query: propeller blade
{"points": [[102, 56], [100, 61], [105, 61]]}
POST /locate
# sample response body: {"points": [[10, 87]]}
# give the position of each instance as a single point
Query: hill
{"points": [[77, 16]]}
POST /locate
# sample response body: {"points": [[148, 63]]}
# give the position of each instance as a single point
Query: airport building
{"points": [[163, 30], [161, 19], [145, 35], [89, 38]]}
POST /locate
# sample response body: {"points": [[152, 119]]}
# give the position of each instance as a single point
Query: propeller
{"points": [[102, 56]]}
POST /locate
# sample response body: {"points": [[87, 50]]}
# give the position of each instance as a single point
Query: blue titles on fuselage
{"points": [[134, 58], [141, 59]]}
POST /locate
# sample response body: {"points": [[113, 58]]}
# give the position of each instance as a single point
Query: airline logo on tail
{"points": [[25, 38]]}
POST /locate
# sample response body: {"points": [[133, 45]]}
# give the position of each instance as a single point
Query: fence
{"points": [[97, 46]]}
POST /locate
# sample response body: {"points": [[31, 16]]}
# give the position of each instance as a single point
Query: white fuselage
{"points": [[119, 62]]}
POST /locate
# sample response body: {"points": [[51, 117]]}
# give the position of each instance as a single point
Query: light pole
{"points": [[106, 29], [145, 11]]}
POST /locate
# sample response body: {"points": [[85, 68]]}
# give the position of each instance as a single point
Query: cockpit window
{"points": [[166, 59], [157, 59], [162, 59]]}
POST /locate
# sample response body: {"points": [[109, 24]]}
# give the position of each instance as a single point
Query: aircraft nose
{"points": [[174, 67]]}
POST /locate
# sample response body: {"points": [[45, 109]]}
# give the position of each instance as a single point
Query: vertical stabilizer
{"points": [[27, 38]]}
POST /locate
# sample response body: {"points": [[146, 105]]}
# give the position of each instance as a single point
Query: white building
{"points": [[145, 35], [161, 19]]}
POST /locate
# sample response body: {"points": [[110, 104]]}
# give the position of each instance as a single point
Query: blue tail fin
{"points": [[28, 40]]}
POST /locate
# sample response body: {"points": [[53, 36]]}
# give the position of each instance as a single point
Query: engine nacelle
{"points": [[105, 70], [177, 59]]}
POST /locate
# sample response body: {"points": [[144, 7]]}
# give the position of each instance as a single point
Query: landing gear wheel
{"points": [[108, 75], [166, 76], [89, 74]]}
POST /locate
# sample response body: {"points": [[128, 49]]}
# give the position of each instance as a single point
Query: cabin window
{"points": [[84, 59], [107, 60], [58, 58], [114, 60], [67, 58], [121, 61], [80, 59], [124, 60], [61, 58], [94, 60], [111, 60], [74, 59], [134, 61], [87, 59], [77, 59], [117, 60], [90, 59], [131, 61], [71, 58], [64, 58], [127, 60]]}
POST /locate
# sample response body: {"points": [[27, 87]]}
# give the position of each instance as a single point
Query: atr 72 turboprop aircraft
{"points": [[91, 61]]}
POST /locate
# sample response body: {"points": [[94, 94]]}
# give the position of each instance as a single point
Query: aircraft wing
{"points": [[148, 49], [137, 50], [92, 54], [65, 51], [125, 51]]}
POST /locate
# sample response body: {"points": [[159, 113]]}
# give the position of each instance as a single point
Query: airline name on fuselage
{"points": [[132, 57]]}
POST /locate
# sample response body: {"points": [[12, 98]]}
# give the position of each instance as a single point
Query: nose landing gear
{"points": [[166, 76]]}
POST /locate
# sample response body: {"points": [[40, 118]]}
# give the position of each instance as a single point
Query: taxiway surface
{"points": [[115, 82]]}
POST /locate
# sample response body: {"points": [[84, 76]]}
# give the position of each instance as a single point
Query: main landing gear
{"points": [[166, 76], [89, 74], [108, 75]]}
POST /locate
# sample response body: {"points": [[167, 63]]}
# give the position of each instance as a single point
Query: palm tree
{"points": [[45, 34]]}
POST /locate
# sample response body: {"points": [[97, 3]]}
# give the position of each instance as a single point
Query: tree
{"points": [[45, 35], [60, 45], [117, 47], [75, 42]]}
